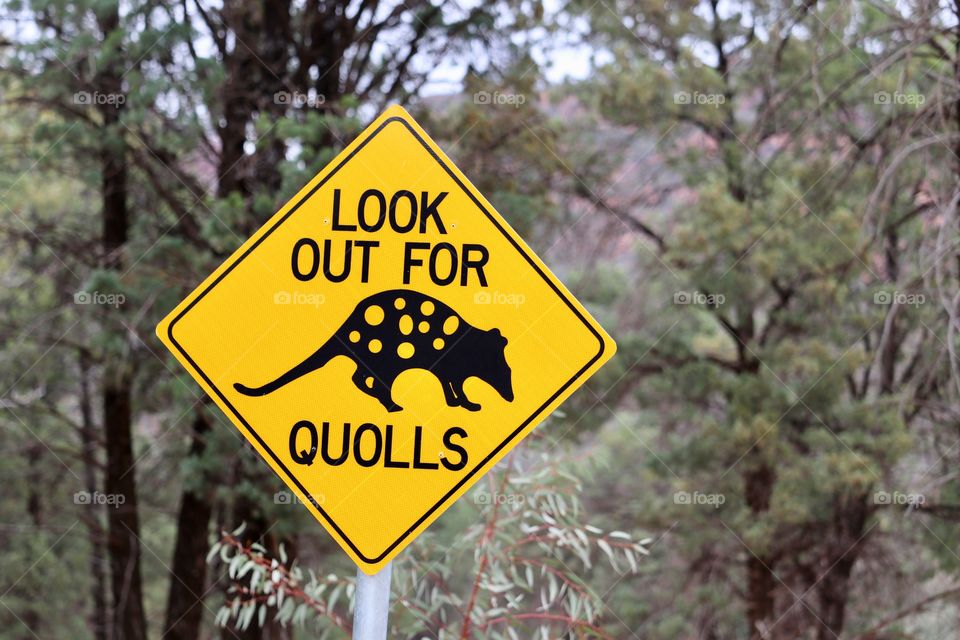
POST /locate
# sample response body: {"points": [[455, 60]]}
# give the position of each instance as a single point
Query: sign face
{"points": [[385, 339]]}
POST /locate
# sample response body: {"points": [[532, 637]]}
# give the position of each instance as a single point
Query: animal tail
{"points": [[313, 362]]}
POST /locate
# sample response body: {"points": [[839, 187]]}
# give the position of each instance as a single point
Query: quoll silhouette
{"points": [[394, 331]]}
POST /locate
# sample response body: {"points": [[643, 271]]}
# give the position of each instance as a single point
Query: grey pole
{"points": [[372, 604]]}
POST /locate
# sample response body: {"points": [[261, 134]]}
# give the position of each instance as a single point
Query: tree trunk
{"points": [[761, 583], [123, 521], [275, 59], [31, 615], [99, 618], [238, 97], [843, 549], [189, 566]]}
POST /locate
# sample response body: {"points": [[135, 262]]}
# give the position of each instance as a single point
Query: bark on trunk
{"points": [[239, 96], [842, 552], [31, 616], [275, 34], [761, 583], [100, 616], [123, 521], [189, 566]]}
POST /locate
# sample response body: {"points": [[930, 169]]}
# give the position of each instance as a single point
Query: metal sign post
{"points": [[372, 604]]}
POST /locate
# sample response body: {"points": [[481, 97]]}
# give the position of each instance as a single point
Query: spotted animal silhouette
{"points": [[395, 331]]}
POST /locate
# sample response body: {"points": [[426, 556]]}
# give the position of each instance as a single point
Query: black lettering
{"points": [[409, 261], [314, 261], [336, 214], [428, 211], [365, 246], [388, 460], [325, 445], [358, 438], [474, 263], [348, 246], [434, 275], [304, 456], [417, 441], [362, 210], [454, 431], [394, 223]]}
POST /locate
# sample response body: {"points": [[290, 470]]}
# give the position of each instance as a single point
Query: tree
{"points": [[128, 85], [792, 354]]}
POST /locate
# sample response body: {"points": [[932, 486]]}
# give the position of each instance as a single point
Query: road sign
{"points": [[385, 339]]}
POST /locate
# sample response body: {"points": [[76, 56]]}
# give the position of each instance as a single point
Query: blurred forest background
{"points": [[758, 200]]}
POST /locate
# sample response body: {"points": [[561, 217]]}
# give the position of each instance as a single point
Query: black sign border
{"points": [[493, 453]]}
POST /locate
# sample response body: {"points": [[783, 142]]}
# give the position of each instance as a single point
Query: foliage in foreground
{"points": [[518, 572]]}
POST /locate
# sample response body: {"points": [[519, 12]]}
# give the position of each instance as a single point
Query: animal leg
{"points": [[383, 394], [375, 387], [449, 395], [462, 398], [360, 379]]}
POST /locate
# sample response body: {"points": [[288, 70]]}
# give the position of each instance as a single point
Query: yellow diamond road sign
{"points": [[385, 339]]}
